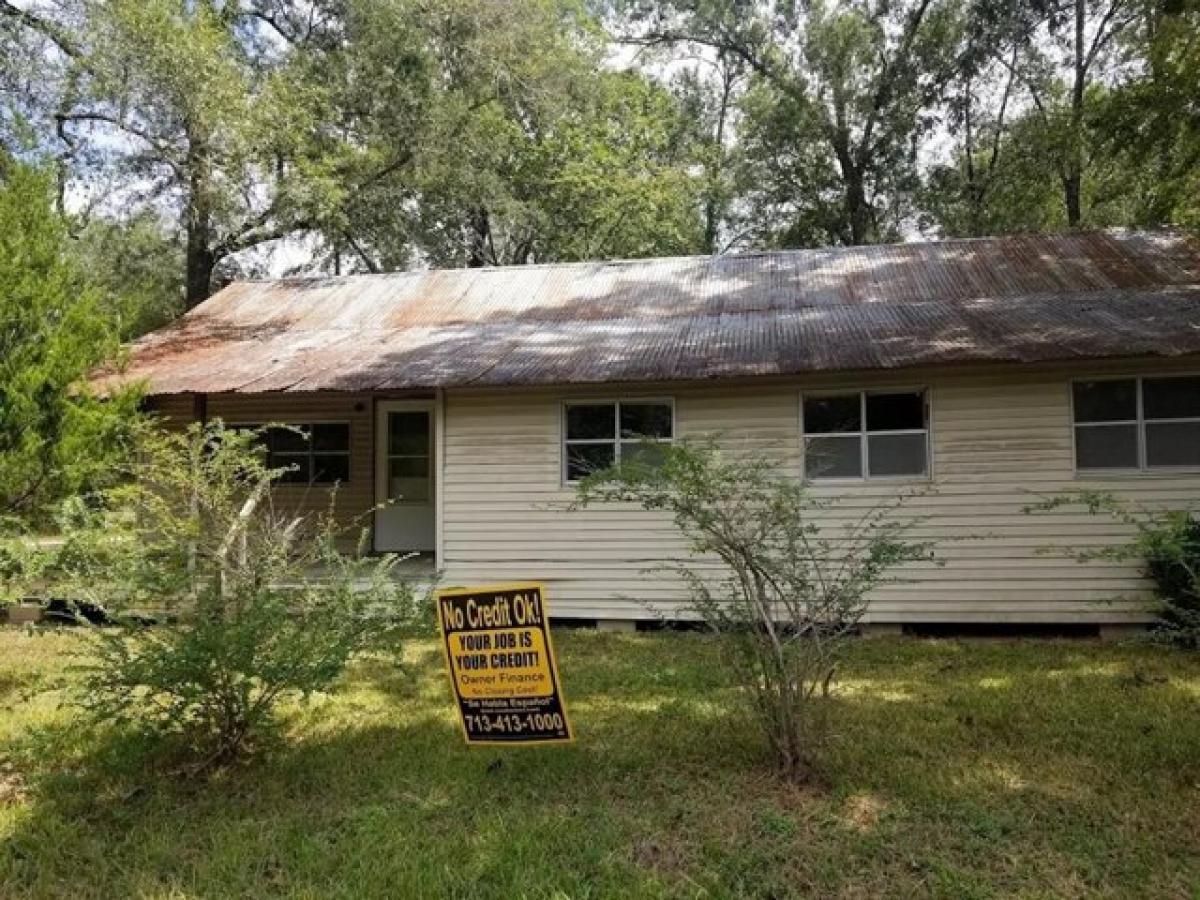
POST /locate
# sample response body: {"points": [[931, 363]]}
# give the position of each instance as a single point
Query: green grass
{"points": [[961, 769]]}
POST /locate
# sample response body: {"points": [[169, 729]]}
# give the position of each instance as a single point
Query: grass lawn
{"points": [[962, 769]]}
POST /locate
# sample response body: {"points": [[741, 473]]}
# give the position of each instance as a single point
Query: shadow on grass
{"points": [[958, 768]]}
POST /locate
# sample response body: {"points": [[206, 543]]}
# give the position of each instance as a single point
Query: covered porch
{"points": [[375, 458]]}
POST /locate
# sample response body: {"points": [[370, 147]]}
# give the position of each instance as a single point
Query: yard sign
{"points": [[501, 664]]}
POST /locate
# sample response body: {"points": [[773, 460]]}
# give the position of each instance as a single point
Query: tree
{"points": [[533, 151], [137, 267], [397, 132], [204, 108], [1149, 123], [1058, 55], [252, 604], [790, 592], [708, 95], [55, 438], [840, 96], [1002, 180]]}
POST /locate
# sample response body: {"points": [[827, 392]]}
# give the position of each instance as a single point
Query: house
{"points": [[987, 372]]}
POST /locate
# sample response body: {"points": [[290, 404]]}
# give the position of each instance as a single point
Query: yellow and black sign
{"points": [[501, 663]]}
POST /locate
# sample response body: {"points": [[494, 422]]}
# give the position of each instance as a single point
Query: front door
{"points": [[404, 476]]}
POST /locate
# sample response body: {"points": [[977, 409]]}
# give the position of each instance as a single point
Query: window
{"points": [[313, 454], [883, 434], [598, 435], [1137, 423], [409, 456]]}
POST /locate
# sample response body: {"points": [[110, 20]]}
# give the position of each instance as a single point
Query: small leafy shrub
{"points": [[790, 592], [224, 604], [1167, 542]]}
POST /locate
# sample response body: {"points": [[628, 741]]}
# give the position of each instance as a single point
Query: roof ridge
{"points": [[743, 254]]}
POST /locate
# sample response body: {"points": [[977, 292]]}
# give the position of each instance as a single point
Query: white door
{"points": [[404, 475]]}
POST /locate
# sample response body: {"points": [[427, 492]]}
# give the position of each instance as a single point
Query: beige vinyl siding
{"points": [[356, 497], [1001, 438]]}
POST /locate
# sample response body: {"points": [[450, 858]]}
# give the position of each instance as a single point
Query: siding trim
{"points": [[439, 467]]}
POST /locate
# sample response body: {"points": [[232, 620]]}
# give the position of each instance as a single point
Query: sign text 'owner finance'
{"points": [[501, 664]]}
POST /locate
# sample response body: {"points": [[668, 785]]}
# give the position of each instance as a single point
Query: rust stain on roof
{"points": [[1022, 299]]}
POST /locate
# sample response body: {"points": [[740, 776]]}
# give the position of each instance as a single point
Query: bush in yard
{"points": [[252, 604], [791, 592], [1167, 542]]}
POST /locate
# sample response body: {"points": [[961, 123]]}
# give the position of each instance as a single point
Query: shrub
{"points": [[224, 604], [791, 592], [1167, 542]]}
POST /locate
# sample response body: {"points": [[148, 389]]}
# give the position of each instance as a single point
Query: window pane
{"points": [[833, 457], [896, 454], [1174, 444], [584, 459], [331, 468], [895, 412], [1105, 401], [823, 415], [591, 421], [642, 453], [1106, 447], [293, 439], [331, 438], [297, 465], [409, 466], [408, 432], [408, 490], [646, 420], [1171, 398]]}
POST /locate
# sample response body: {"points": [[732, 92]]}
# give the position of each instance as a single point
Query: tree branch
{"points": [[47, 29]]}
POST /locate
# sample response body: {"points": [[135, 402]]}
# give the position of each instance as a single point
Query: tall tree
{"points": [[1092, 125], [54, 437], [841, 94], [533, 151], [708, 93], [200, 105], [1065, 49], [1150, 121]]}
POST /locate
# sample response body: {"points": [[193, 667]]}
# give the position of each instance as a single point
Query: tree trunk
{"points": [[858, 210], [480, 234], [200, 265], [858, 225], [1071, 195], [201, 259], [1073, 177]]}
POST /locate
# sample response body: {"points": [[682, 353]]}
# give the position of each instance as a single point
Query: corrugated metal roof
{"points": [[1025, 299]]}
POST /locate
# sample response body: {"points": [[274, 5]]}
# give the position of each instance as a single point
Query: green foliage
{"points": [[252, 603], [55, 438], [840, 96], [791, 591], [137, 267], [454, 131], [1166, 541], [528, 150], [1148, 127]]}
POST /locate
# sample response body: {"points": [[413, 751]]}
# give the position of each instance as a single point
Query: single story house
{"points": [[987, 372]]}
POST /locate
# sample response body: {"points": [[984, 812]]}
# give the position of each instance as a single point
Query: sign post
{"points": [[501, 664]]}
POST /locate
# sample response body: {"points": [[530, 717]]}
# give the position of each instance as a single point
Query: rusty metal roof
{"points": [[1015, 299]]}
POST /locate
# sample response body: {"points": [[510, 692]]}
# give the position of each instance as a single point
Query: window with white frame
{"points": [[312, 454], [599, 434], [1137, 423], [866, 434]]}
